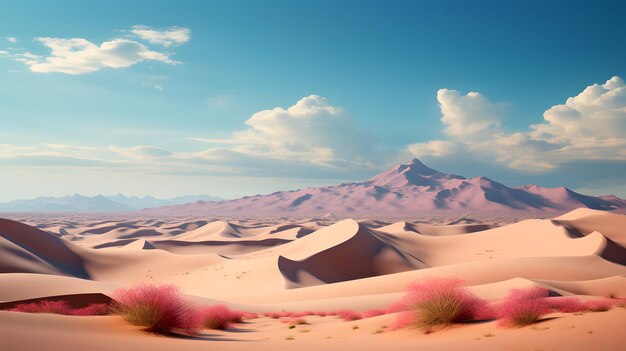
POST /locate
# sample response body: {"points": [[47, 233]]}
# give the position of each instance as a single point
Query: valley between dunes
{"points": [[275, 264]]}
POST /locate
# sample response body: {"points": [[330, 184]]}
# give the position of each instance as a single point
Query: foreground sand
{"points": [[310, 264], [590, 331]]}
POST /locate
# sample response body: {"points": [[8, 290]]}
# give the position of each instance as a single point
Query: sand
{"points": [[298, 264]]}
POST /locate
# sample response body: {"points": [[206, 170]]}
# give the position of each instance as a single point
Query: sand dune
{"points": [[302, 263]]}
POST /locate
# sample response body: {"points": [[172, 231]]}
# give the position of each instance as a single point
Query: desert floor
{"points": [[320, 264]]}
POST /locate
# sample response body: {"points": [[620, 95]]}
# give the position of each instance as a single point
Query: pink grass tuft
{"points": [[438, 302], [161, 309], [61, 307], [348, 315], [599, 305], [524, 306], [566, 304], [373, 313], [220, 317]]}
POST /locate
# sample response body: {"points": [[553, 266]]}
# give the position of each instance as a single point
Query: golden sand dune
{"points": [[303, 264]]}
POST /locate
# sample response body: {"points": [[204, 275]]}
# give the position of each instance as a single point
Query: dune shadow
{"points": [[203, 337]]}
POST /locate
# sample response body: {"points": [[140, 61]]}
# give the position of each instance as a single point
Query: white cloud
{"points": [[167, 38], [11, 39], [142, 152], [78, 56], [437, 148], [467, 116], [311, 131], [589, 126]]}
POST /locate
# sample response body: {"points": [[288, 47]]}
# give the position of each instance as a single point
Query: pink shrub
{"points": [[45, 306], [373, 313], [220, 317], [321, 314], [348, 315], [567, 304], [439, 302], [161, 309], [599, 305], [524, 306], [96, 309], [61, 307], [403, 320]]}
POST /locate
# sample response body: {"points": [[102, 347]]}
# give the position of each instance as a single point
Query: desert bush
{"points": [[348, 315], [61, 307], [220, 317], [44, 306], [438, 302], [95, 309], [373, 313], [160, 309], [599, 305], [524, 306], [567, 304]]}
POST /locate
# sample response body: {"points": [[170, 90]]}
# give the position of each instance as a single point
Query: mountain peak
{"points": [[417, 167], [412, 173]]}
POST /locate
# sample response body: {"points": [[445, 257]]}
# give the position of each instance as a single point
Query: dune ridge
{"points": [[299, 264]]}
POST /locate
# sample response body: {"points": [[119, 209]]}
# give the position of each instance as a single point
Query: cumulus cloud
{"points": [[589, 126], [437, 148], [11, 39], [311, 131], [78, 56], [168, 37], [470, 116], [310, 139]]}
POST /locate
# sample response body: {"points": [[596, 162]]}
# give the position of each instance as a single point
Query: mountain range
{"points": [[99, 203], [406, 189]]}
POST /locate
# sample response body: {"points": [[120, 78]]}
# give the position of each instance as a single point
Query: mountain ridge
{"points": [[405, 189], [97, 203]]}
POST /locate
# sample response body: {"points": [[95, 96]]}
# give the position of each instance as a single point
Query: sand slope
{"points": [[308, 264]]}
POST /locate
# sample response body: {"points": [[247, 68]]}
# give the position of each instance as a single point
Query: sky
{"points": [[234, 98]]}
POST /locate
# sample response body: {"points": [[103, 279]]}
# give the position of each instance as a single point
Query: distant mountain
{"points": [[148, 201], [100, 203], [406, 189]]}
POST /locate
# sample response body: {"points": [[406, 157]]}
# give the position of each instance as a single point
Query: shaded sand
{"points": [[299, 264]]}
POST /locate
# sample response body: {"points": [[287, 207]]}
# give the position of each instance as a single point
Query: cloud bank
{"points": [[589, 126], [310, 139]]}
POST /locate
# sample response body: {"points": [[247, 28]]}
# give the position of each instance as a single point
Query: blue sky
{"points": [[232, 98]]}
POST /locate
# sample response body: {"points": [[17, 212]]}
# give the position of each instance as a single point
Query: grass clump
{"points": [[220, 317], [524, 307], [61, 307], [438, 302], [159, 308]]}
